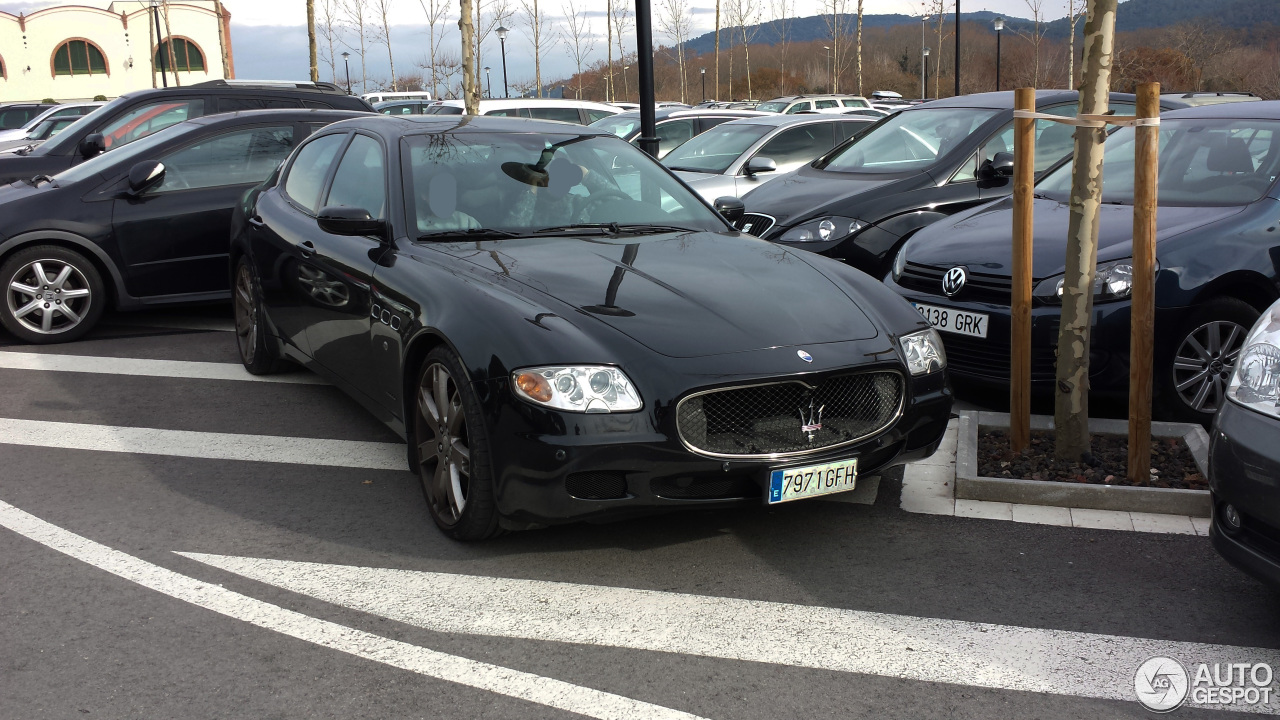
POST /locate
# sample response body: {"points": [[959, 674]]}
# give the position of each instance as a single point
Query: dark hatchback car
{"points": [[1244, 457], [1218, 251], [860, 201], [144, 225], [563, 331], [136, 115]]}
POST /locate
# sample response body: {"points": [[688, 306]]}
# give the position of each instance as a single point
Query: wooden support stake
{"points": [[1024, 171], [1142, 312]]}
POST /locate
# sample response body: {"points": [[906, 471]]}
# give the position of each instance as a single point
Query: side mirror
{"points": [[93, 144], [760, 164], [145, 175], [999, 165], [730, 208], [339, 220]]}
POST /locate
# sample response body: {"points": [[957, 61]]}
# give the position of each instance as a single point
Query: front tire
{"points": [[256, 352], [52, 295], [454, 465], [1208, 346]]}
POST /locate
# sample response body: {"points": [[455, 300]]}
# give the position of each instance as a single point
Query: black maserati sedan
{"points": [[1244, 460], [1218, 251], [140, 226], [863, 199], [562, 330]]}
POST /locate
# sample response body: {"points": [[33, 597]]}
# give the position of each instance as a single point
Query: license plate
{"points": [[788, 484], [954, 321]]}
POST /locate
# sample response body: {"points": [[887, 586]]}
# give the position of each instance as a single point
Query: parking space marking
{"points": [[921, 649], [442, 666], [207, 445], [176, 322], [185, 369]]}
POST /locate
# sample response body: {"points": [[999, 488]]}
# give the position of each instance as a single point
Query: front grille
{"points": [[756, 224], [717, 488], [596, 485], [766, 420], [978, 287], [989, 358]]}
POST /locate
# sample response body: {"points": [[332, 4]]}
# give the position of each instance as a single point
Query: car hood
{"points": [[687, 294], [981, 239], [806, 192]]}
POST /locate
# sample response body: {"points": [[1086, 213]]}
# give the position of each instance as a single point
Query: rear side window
{"points": [[13, 118], [799, 107], [406, 109], [234, 104], [242, 157], [826, 104], [148, 119], [856, 103], [594, 115], [508, 112], [569, 115], [316, 104], [800, 144], [361, 180], [307, 174]]}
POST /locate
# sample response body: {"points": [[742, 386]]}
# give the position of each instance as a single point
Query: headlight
{"points": [[823, 230], [1113, 281], [924, 352], [1255, 383], [899, 263], [577, 388]]}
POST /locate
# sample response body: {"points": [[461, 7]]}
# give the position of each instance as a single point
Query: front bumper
{"points": [[542, 459], [1244, 471]]}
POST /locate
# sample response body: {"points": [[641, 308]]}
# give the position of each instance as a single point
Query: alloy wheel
{"points": [[49, 296], [443, 449], [246, 311], [1204, 362]]}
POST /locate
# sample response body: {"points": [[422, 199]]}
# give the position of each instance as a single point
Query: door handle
{"points": [[256, 221], [307, 249]]}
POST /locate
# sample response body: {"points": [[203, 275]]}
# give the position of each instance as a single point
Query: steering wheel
{"points": [[601, 196], [174, 180]]}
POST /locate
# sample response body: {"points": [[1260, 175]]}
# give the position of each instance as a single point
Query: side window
{"points": [[234, 104], [826, 104], [799, 144], [361, 181], [508, 112], [856, 103], [1055, 141], [242, 157], [710, 122], [594, 115], [1002, 141], [569, 115], [673, 134], [799, 107], [309, 169], [851, 129], [316, 105], [147, 119]]}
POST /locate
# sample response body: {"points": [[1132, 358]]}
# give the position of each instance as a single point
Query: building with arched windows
{"points": [[76, 52]]}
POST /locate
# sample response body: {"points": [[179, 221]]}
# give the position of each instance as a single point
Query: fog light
{"points": [[1231, 517]]}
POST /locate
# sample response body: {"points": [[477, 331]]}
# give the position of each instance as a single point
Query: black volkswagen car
{"points": [[860, 201], [562, 330], [1218, 251], [1244, 461], [138, 114], [143, 225]]}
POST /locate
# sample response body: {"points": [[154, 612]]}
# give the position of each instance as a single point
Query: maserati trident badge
{"points": [[811, 422], [804, 356], [953, 281]]}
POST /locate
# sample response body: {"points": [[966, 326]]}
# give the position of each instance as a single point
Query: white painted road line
{"points": [[150, 368], [920, 649], [207, 445], [493, 678]]}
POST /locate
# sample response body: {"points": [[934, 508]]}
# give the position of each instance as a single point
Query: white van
{"points": [[377, 97], [581, 112]]}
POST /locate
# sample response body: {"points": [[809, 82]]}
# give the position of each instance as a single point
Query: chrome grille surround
{"points": [[763, 420]]}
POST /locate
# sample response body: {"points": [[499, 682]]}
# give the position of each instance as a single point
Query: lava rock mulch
{"points": [[1171, 462]]}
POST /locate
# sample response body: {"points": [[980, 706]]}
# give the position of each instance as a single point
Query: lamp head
{"points": [[346, 55], [999, 24], [501, 32], [926, 52]]}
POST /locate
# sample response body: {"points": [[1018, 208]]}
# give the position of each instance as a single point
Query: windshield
{"points": [[123, 157], [523, 183], [1202, 162], [773, 106], [621, 125], [715, 150], [910, 140], [65, 142]]}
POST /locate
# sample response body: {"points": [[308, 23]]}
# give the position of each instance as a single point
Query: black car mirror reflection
{"points": [[998, 166], [93, 144], [731, 208], [145, 175], [339, 220]]}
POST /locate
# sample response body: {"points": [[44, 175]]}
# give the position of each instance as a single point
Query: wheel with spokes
{"points": [[251, 337], [1204, 358], [52, 294], [453, 450]]}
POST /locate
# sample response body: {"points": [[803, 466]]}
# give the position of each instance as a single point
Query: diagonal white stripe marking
{"points": [[924, 649], [209, 445], [151, 368], [493, 678]]}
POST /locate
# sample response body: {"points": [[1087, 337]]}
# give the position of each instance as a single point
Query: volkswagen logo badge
{"points": [[953, 281], [804, 356]]}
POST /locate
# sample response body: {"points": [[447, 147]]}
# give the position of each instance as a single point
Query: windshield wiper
{"points": [[612, 228], [688, 169], [39, 179], [469, 234]]}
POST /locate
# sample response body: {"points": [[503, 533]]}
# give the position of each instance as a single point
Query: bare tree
{"points": [[173, 58], [542, 41], [578, 37], [859, 50], [382, 33], [437, 12], [1035, 35], [746, 15], [833, 12], [356, 13], [490, 14], [1074, 9], [621, 10], [470, 82], [716, 95], [938, 9], [1202, 42], [329, 30], [780, 12], [675, 22], [311, 40]]}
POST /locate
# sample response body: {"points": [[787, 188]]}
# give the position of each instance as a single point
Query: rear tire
{"points": [[52, 295], [1194, 379], [257, 353]]}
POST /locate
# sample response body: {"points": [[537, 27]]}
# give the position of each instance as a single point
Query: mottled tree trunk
{"points": [[467, 28], [173, 58], [717, 94], [311, 40], [859, 50], [1071, 411]]}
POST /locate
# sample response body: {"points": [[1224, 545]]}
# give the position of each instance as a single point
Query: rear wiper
{"points": [[613, 228], [468, 234], [25, 150], [37, 180]]}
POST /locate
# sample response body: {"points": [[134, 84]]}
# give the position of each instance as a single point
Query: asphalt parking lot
{"points": [[181, 539]]}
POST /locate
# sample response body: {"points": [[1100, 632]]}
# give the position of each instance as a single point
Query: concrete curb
{"points": [[1165, 501]]}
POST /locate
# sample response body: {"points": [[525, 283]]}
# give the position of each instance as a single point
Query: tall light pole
{"points": [[502, 38], [924, 19], [625, 91], [488, 80], [924, 76], [830, 82], [164, 76], [957, 48], [648, 138], [347, 64], [704, 84], [999, 25]]}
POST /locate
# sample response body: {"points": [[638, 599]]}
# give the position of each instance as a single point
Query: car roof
{"points": [[293, 115], [667, 113], [1004, 100], [776, 119], [392, 125], [1260, 110], [502, 103]]}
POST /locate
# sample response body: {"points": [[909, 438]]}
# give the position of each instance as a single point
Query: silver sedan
{"points": [[736, 157]]}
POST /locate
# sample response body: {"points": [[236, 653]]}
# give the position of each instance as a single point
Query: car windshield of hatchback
{"points": [[715, 150], [1202, 162], [909, 141], [622, 126], [527, 183], [774, 106], [66, 140], [124, 157]]}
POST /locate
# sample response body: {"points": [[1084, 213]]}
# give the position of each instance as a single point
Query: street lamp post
{"points": [[999, 25], [924, 76], [489, 81], [830, 81], [957, 93], [704, 84], [625, 90], [502, 38], [164, 76], [924, 19], [347, 64]]}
